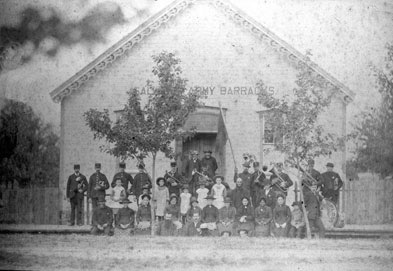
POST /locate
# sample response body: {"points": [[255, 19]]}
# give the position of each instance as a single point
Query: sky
{"points": [[344, 37]]}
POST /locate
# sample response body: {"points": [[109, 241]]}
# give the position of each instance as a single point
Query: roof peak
{"points": [[171, 11]]}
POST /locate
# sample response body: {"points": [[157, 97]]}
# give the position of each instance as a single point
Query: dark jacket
{"points": [[245, 211], [102, 216], [192, 211], [285, 177], [191, 229], [126, 215], [282, 214], [174, 210], [246, 177], [263, 214], [74, 186], [190, 166], [210, 214], [141, 179], [143, 213], [271, 198], [125, 180], [237, 194], [162, 230], [331, 181], [227, 214], [98, 183], [312, 204], [211, 165], [173, 189]]}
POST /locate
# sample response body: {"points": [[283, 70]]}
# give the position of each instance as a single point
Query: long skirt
{"points": [[262, 230], [143, 228], [225, 228], [279, 231]]}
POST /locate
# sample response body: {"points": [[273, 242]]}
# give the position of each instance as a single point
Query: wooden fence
{"points": [[368, 200], [30, 206]]}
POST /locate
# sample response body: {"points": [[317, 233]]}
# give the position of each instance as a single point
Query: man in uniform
{"points": [[314, 174], [312, 203], [331, 183], [269, 194], [245, 176], [192, 165], [209, 162], [76, 187], [124, 177], [238, 193], [257, 180], [98, 183], [173, 180], [102, 219], [141, 179], [282, 182]]}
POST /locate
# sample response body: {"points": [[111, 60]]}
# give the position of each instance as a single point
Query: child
{"points": [[143, 216], [194, 208], [219, 192], [174, 209], [126, 217], [185, 197], [160, 198], [133, 202], [281, 217], [202, 192], [117, 195], [297, 222], [145, 191]]}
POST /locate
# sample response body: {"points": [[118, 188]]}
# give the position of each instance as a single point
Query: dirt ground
{"points": [[121, 252]]}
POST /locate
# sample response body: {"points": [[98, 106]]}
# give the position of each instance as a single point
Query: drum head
{"points": [[329, 214]]}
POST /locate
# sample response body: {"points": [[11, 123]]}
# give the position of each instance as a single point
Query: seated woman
{"points": [[226, 217], [263, 219], [209, 218], [174, 209], [245, 217], [281, 218], [143, 216], [126, 217]]}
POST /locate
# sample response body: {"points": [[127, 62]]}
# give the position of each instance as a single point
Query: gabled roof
{"points": [[171, 11]]}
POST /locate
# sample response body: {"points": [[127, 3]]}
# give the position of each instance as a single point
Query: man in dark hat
{"points": [[311, 175], [280, 180], [173, 180], [102, 219], [238, 193], [98, 183], [312, 202], [331, 183], [210, 162], [245, 176], [76, 187], [192, 166], [209, 218], [126, 179], [126, 217], [141, 179], [257, 180]]}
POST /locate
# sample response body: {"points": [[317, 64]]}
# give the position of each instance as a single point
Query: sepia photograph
{"points": [[196, 135]]}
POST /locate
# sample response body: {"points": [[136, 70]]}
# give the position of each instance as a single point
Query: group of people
{"points": [[197, 202]]}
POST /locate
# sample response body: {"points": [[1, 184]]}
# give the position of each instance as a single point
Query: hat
{"points": [[173, 164], [159, 179], [227, 200], [122, 165], [246, 164], [256, 164], [311, 162], [97, 165], [218, 176], [145, 195], [193, 199], [173, 196], [330, 164], [210, 197], [146, 186], [207, 151], [194, 152], [76, 166], [101, 199], [125, 201]]}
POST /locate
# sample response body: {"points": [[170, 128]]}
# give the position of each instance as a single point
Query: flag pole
{"points": [[229, 139]]}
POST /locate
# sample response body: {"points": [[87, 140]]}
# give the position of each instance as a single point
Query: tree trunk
{"points": [[308, 230], [153, 216]]}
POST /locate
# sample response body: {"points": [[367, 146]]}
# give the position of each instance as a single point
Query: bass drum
{"points": [[329, 214]]}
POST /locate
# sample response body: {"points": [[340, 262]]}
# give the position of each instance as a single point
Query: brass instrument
{"points": [[308, 180], [207, 178], [172, 177], [280, 181]]}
